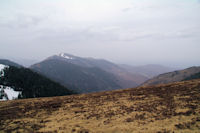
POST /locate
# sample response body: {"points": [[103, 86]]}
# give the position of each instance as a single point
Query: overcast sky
{"points": [[135, 32]]}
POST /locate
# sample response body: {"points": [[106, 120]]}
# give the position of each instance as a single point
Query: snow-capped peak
{"points": [[66, 56]]}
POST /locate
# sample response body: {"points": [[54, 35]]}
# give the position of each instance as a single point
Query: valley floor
{"points": [[165, 108]]}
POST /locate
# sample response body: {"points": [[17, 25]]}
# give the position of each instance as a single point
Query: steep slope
{"points": [[23, 83], [86, 79], [173, 76], [149, 71], [158, 109], [111, 74], [126, 79]]}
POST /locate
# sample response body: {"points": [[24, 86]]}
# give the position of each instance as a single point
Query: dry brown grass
{"points": [[162, 109]]}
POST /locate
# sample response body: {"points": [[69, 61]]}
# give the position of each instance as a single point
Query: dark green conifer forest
{"points": [[31, 84]]}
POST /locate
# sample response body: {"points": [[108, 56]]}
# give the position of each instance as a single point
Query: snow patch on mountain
{"points": [[65, 56], [2, 67], [8, 93]]}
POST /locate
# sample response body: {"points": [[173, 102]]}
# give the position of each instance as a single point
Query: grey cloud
{"points": [[66, 35], [22, 21], [137, 30], [109, 34], [126, 9], [141, 35]]}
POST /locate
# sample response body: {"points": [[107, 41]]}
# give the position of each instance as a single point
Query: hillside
{"points": [[87, 74], [194, 76], [173, 76], [27, 84], [165, 108]]}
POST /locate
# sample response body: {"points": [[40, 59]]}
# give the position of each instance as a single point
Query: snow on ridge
{"points": [[8, 93], [65, 56]]}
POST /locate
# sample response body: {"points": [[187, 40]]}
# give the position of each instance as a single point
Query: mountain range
{"points": [[84, 75], [91, 75], [158, 105]]}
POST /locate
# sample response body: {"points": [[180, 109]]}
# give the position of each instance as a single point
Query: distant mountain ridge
{"points": [[150, 70], [9, 63], [97, 74], [189, 73]]}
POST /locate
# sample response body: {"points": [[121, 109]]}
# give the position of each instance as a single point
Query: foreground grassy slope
{"points": [[165, 108]]}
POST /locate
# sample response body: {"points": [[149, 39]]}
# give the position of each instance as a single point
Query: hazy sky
{"points": [[123, 31]]}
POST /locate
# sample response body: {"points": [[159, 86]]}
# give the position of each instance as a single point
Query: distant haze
{"points": [[135, 32]]}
